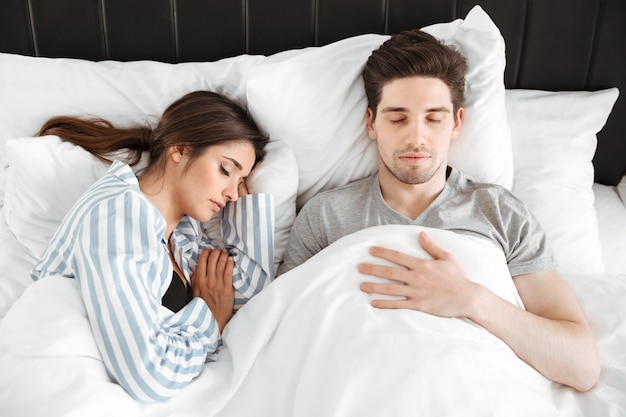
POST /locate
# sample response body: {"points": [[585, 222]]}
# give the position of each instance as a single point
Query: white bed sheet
{"points": [[621, 189], [15, 266], [296, 350], [611, 215]]}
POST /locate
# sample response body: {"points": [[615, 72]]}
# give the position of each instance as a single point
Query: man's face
{"points": [[413, 128]]}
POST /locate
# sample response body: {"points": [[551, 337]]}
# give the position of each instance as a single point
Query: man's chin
{"points": [[412, 177]]}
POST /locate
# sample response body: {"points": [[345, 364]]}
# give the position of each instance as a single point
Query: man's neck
{"points": [[411, 200]]}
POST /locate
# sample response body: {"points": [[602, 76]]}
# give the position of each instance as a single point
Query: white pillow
{"points": [[34, 89], [621, 190], [47, 176], [277, 174], [314, 100], [554, 140]]}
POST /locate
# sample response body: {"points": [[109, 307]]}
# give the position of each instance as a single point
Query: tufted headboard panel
{"points": [[551, 44]]}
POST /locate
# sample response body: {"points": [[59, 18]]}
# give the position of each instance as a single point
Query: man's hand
{"points": [[552, 334], [436, 286], [212, 280]]}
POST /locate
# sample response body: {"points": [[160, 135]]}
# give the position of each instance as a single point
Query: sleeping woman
{"points": [[157, 292]]}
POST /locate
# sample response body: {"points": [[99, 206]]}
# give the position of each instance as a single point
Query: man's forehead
{"points": [[410, 93], [401, 109]]}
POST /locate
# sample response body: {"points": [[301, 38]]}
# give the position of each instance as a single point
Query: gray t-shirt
{"points": [[464, 206]]}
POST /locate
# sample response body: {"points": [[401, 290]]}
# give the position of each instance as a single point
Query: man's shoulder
{"points": [[466, 183], [488, 192]]}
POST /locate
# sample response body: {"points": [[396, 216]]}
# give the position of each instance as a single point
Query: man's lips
{"points": [[414, 158]]}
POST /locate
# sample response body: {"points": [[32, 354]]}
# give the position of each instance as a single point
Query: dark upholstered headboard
{"points": [[550, 44]]}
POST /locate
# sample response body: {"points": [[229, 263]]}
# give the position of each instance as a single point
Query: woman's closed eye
{"points": [[225, 171]]}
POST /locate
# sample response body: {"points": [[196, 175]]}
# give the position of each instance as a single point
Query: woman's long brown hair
{"points": [[197, 120]]}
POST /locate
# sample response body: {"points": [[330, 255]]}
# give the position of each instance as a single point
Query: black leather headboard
{"points": [[550, 44]]}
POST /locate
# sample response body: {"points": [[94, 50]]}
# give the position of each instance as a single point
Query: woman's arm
{"points": [[123, 270], [248, 233]]}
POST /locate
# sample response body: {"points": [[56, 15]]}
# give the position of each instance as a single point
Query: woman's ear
{"points": [[176, 152]]}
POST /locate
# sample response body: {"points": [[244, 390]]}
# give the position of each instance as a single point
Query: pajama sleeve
{"points": [[247, 227], [248, 234], [122, 270]]}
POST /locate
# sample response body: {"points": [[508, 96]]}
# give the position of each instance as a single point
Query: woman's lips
{"points": [[216, 206]]}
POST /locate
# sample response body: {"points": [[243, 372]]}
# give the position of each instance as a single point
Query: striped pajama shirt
{"points": [[112, 242]]}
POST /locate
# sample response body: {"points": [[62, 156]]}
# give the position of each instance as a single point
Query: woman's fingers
{"points": [[199, 276], [220, 269], [218, 277], [242, 189], [228, 273]]}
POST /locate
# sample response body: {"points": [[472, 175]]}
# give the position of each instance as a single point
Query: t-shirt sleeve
{"points": [[529, 250]]}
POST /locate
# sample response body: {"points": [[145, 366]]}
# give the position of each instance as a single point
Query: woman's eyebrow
{"points": [[234, 161]]}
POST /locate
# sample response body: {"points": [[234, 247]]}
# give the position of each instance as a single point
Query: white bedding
{"points": [[611, 218], [310, 344]]}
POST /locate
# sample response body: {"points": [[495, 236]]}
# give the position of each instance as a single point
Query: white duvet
{"points": [[311, 345]]}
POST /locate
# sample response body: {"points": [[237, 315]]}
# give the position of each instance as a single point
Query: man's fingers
{"points": [[431, 247], [408, 261], [390, 272], [389, 304], [384, 289], [397, 257]]}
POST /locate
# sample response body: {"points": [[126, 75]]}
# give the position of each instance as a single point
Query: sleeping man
{"points": [[415, 90]]}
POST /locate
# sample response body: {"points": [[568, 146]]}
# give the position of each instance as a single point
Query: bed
{"points": [[544, 118]]}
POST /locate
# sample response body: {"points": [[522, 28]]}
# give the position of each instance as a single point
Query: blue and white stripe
{"points": [[113, 243]]}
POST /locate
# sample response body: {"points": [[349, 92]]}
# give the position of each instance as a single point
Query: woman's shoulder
{"points": [[116, 194]]}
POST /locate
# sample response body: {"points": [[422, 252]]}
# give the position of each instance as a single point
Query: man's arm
{"points": [[552, 334]]}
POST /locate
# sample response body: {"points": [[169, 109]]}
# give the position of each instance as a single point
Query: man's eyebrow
{"points": [[234, 161], [442, 109], [392, 109]]}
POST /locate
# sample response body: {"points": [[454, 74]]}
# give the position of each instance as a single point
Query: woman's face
{"points": [[211, 180]]}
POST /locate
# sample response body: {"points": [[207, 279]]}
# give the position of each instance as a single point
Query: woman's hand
{"points": [[242, 189], [212, 280]]}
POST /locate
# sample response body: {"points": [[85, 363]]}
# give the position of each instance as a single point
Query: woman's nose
{"points": [[230, 192]]}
